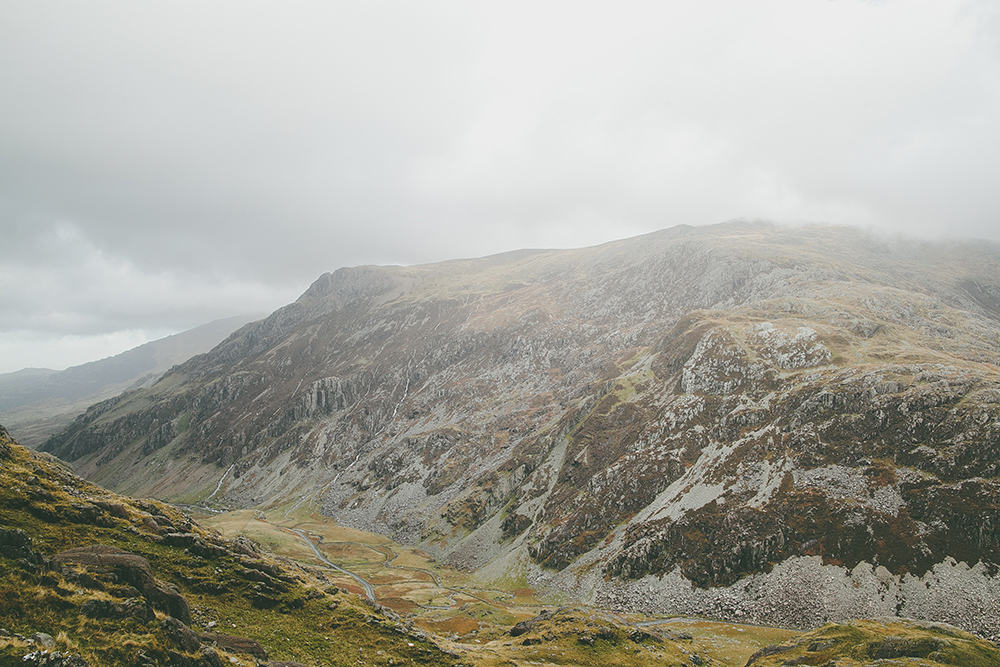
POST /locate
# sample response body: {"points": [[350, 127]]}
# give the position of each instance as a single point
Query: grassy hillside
{"points": [[99, 613]]}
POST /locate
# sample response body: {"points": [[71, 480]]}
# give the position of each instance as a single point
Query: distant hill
{"points": [[38, 402]]}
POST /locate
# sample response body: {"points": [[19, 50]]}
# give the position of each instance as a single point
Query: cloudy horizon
{"points": [[164, 165]]}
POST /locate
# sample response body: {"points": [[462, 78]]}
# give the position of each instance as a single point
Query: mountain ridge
{"points": [[38, 402], [820, 399]]}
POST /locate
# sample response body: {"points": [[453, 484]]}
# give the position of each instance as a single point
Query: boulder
{"points": [[130, 569], [194, 543], [15, 544], [139, 609], [210, 657], [114, 509], [235, 644], [244, 546], [98, 608], [125, 592], [180, 634], [523, 627]]}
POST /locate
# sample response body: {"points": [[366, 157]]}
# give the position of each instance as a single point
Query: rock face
{"points": [[693, 421], [130, 569]]}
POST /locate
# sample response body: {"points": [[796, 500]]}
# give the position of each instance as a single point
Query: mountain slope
{"points": [[36, 403], [702, 420], [88, 577]]}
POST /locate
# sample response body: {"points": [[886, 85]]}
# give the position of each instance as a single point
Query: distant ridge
{"points": [[38, 402]]}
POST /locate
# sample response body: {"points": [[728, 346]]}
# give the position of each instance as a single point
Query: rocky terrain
{"points": [[88, 577], [782, 425]]}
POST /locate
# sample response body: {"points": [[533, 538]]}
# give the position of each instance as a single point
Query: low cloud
{"points": [[163, 166]]}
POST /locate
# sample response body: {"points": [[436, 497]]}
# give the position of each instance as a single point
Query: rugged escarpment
{"points": [[677, 422]]}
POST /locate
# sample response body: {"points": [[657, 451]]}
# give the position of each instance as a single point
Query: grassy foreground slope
{"points": [[243, 607]]}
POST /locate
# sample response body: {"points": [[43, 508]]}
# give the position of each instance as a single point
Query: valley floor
{"points": [[450, 604]]}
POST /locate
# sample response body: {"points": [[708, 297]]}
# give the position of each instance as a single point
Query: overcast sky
{"points": [[163, 164]]}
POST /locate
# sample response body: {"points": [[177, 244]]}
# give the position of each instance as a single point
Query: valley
{"points": [[767, 426], [449, 604], [90, 578]]}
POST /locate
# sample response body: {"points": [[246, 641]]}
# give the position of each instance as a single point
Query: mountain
{"points": [[745, 421], [36, 403]]}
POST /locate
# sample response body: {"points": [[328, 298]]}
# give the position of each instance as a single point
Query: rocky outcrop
{"points": [[130, 569], [522, 627], [234, 644], [865, 642], [16, 545]]}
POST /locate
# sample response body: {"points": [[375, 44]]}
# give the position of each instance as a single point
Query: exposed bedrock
{"points": [[803, 593]]}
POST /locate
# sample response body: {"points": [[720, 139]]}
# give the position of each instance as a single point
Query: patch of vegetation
{"points": [[580, 636], [896, 642]]}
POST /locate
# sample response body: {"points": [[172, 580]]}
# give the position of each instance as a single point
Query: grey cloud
{"points": [[73, 287], [248, 147]]}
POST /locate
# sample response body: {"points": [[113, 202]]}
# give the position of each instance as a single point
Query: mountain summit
{"points": [[769, 424]]}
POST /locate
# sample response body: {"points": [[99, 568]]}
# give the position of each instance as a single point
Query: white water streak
{"points": [[221, 480]]}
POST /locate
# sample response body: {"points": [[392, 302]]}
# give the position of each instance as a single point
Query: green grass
{"points": [[300, 622], [897, 642]]}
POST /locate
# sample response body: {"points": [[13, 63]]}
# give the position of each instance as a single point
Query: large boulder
{"points": [[180, 634], [131, 569], [234, 644]]}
